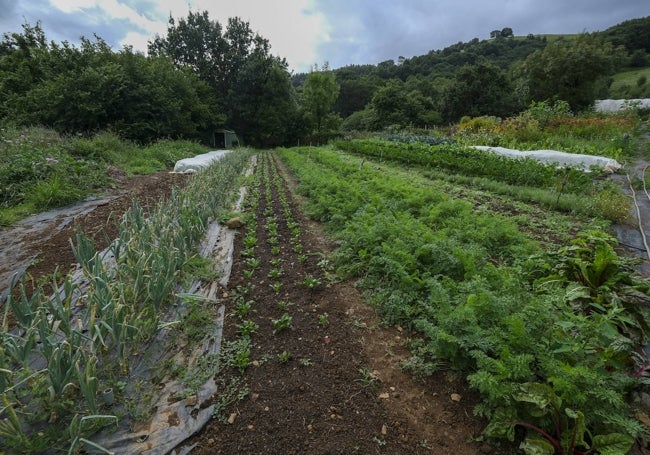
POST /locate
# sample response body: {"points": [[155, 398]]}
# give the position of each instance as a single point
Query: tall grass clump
{"points": [[109, 148], [40, 170]]}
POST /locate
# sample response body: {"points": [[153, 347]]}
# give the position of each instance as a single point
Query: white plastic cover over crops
{"points": [[199, 162], [584, 162], [621, 105]]}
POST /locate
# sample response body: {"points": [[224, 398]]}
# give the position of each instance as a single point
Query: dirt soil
{"points": [[101, 223], [341, 388]]}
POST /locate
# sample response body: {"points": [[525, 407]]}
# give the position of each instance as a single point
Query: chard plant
{"points": [[241, 359], [323, 320], [311, 282], [247, 328], [569, 435], [253, 263], [284, 356], [284, 305], [243, 307], [275, 273]]}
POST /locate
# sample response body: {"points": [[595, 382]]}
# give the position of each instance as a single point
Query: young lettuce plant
{"points": [[282, 323]]}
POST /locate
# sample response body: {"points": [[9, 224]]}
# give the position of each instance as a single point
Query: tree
{"points": [[264, 106], [507, 33], [363, 120], [319, 95], [575, 71], [403, 104], [20, 63], [388, 103], [215, 55], [495, 34], [89, 88], [634, 34], [639, 58], [481, 89], [355, 94]]}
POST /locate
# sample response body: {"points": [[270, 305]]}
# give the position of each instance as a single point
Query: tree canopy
{"points": [[202, 75], [481, 89], [319, 94], [250, 87], [90, 88], [571, 70]]}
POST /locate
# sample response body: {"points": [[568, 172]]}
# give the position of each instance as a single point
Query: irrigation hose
{"points": [[638, 214]]}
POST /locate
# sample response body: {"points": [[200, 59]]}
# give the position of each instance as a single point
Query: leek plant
{"points": [[5, 372], [118, 305], [23, 308], [88, 382], [60, 369]]}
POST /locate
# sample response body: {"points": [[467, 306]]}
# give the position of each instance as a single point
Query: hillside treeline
{"points": [[498, 76], [203, 75]]}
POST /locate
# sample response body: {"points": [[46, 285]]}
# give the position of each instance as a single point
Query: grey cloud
{"points": [[370, 31], [366, 31], [59, 26]]}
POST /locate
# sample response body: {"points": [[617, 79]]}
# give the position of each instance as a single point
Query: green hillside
{"points": [[633, 83], [550, 38]]}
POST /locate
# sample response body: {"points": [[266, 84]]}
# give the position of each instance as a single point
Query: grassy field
{"points": [[550, 37], [626, 84], [39, 169]]}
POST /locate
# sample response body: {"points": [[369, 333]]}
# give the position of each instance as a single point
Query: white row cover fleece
{"points": [[199, 162], [584, 162], [621, 105]]}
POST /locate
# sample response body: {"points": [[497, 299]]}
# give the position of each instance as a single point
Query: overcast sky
{"points": [[341, 32]]}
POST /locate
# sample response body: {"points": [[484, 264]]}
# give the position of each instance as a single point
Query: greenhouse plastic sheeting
{"points": [[199, 162], [584, 162], [621, 105]]}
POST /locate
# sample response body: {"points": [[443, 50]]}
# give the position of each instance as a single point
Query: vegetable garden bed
{"points": [[476, 283]]}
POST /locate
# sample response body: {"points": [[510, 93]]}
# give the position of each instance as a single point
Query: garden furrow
{"points": [[299, 379]]}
